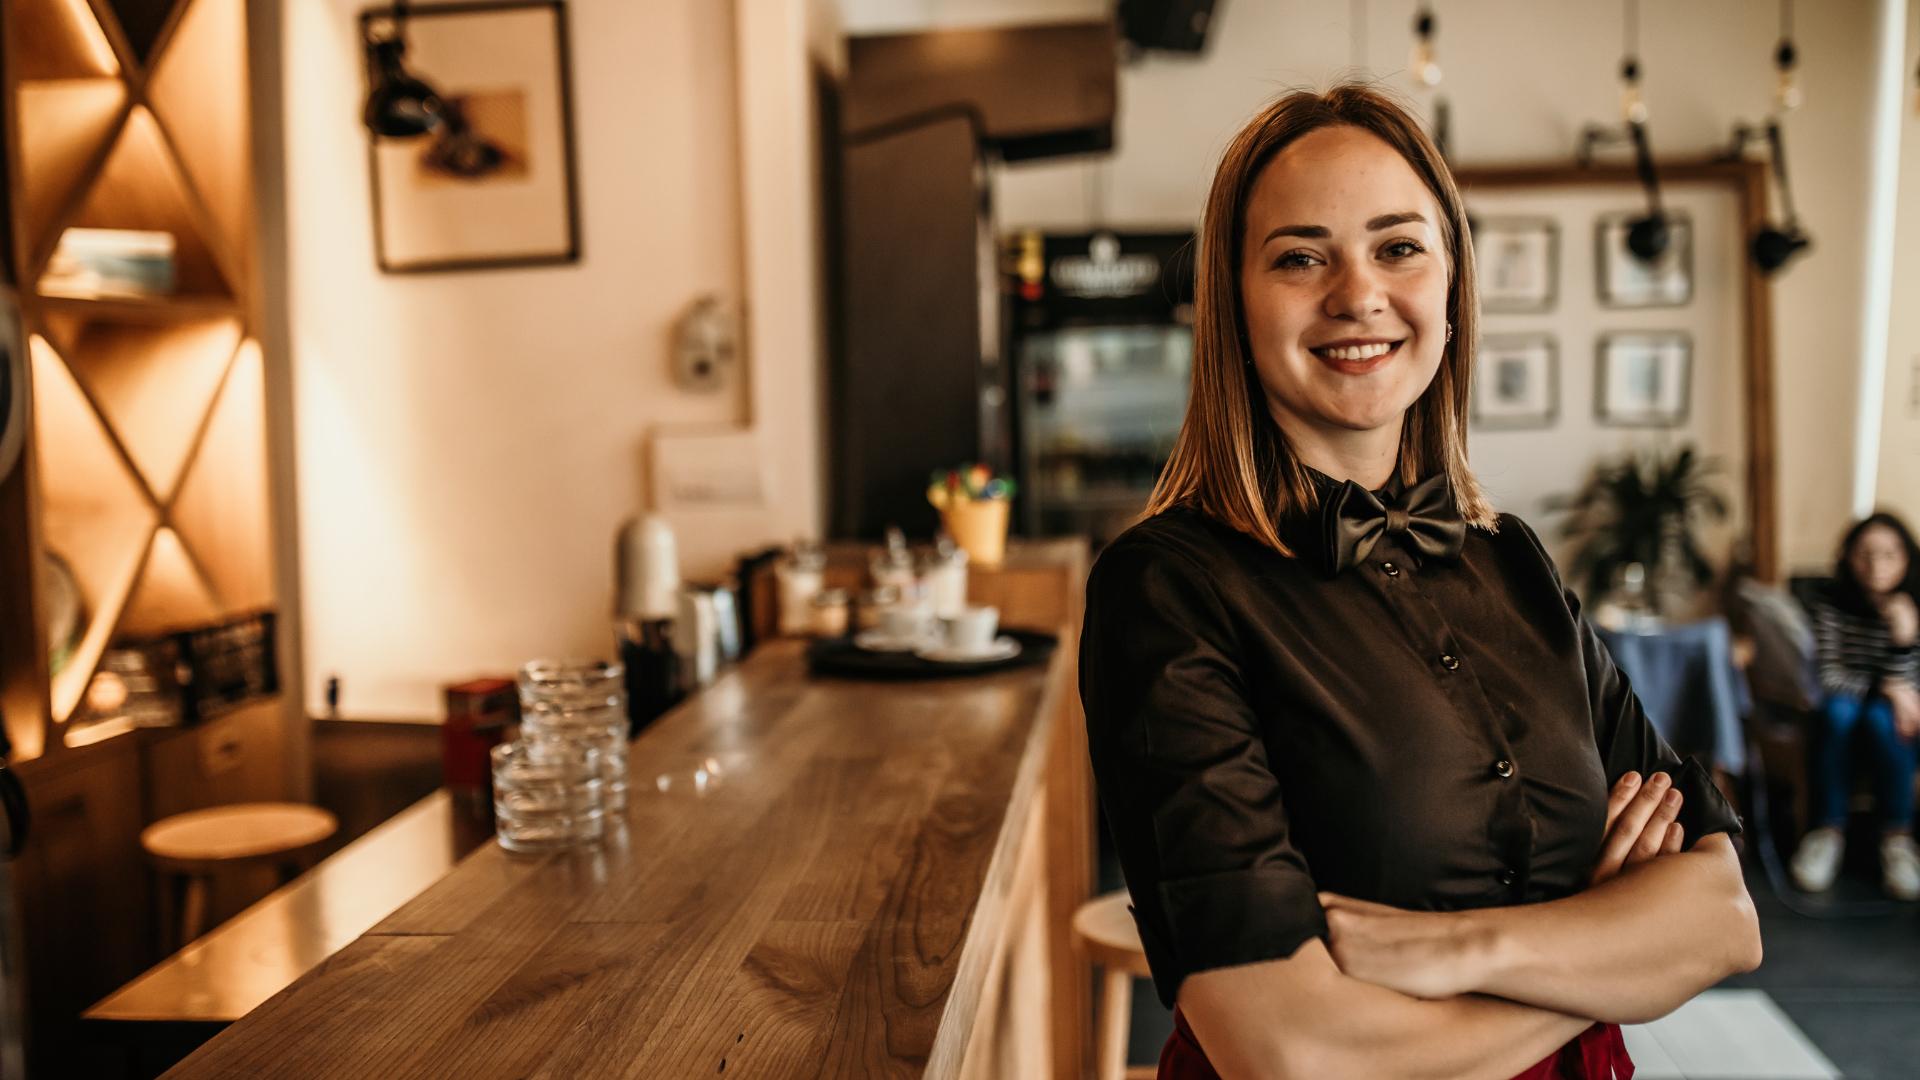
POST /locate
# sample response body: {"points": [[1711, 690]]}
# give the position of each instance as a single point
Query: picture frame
{"points": [[1518, 263], [1516, 382], [1625, 280], [497, 187], [1643, 378]]}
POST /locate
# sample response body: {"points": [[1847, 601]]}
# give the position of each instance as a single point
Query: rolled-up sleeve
{"points": [[1183, 773], [1627, 740]]}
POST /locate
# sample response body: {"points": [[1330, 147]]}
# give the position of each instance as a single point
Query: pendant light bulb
{"points": [[1421, 61], [1786, 91], [1632, 108], [1425, 70]]}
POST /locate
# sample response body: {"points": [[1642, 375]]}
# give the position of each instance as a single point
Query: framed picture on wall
{"points": [[1628, 281], [1644, 378], [1516, 383], [493, 184], [1518, 262]]}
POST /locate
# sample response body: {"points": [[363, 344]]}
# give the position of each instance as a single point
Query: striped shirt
{"points": [[1854, 652]]}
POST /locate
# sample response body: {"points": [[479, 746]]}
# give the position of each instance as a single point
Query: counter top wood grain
{"points": [[809, 880]]}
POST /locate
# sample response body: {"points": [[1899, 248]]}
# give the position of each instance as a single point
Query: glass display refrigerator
{"points": [[1101, 341]]}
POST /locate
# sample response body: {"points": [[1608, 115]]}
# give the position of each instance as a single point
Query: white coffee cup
{"points": [[902, 623], [973, 629]]}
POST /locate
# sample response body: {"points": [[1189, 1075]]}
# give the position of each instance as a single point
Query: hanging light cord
{"points": [[1631, 44]]}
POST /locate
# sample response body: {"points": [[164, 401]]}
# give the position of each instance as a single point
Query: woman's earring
{"points": [[1449, 331]]}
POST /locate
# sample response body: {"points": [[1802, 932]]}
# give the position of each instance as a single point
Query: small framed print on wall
{"points": [[1518, 263], [1517, 384], [493, 184], [1628, 281], [1644, 378]]}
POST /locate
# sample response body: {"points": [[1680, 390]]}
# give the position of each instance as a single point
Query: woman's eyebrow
{"points": [[1321, 232]]}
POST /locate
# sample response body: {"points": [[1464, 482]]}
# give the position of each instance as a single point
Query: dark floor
{"points": [[1844, 967]]}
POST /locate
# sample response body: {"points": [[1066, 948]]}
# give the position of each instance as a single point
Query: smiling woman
{"points": [[1384, 804], [1333, 229]]}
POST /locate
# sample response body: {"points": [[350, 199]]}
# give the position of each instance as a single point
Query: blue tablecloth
{"points": [[1686, 680]]}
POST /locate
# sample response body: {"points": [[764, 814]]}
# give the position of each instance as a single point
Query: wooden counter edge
{"points": [[987, 928]]}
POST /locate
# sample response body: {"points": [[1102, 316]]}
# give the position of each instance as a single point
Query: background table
{"points": [[1686, 679]]}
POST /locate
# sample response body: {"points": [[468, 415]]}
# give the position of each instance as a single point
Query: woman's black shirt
{"points": [[1434, 735]]}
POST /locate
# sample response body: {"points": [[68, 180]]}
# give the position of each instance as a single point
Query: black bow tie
{"points": [[1353, 519]]}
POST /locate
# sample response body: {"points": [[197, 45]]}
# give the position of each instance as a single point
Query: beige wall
{"points": [[467, 443], [1899, 479], [1523, 78]]}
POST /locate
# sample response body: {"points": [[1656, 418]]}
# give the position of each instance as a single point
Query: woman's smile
{"points": [[1357, 359]]}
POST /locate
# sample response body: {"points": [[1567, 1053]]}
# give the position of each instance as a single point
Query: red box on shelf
{"points": [[479, 711]]}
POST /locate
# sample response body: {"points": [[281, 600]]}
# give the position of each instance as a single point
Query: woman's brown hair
{"points": [[1231, 460]]}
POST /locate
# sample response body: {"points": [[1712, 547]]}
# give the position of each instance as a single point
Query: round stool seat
{"points": [[1107, 931], [1104, 931], [205, 839]]}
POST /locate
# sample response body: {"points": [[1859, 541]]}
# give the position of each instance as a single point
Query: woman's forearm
{"points": [[1470, 1037], [1302, 1018], [1631, 949]]}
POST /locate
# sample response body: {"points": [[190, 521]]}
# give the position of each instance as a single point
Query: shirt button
{"points": [[1390, 569], [1450, 662], [1503, 768], [1508, 877]]}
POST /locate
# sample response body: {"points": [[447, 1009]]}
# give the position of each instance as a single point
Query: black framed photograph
{"points": [[1628, 281], [1518, 260], [1516, 382], [1644, 378], [492, 185]]}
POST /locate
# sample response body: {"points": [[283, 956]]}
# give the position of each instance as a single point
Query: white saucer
{"points": [[1004, 648], [877, 640]]}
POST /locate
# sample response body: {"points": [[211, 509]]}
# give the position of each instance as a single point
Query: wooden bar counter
{"points": [[815, 877]]}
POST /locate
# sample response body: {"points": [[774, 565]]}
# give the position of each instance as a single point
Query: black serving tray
{"points": [[840, 656]]}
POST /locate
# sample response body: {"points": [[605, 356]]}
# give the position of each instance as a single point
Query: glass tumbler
{"points": [[582, 702], [547, 795]]}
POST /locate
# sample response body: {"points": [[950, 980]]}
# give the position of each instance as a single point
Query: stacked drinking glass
{"points": [[573, 736], [547, 795]]}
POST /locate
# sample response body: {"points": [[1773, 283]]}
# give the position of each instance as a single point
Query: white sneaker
{"points": [[1817, 861], [1900, 867]]}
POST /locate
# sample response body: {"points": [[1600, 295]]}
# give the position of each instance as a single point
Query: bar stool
{"points": [[189, 849], [1104, 931]]}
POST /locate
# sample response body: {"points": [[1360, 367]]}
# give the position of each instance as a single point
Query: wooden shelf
{"points": [[152, 309], [144, 23], [140, 186], [171, 595], [59, 39], [148, 468], [221, 508], [155, 384], [96, 515], [72, 121], [205, 62]]}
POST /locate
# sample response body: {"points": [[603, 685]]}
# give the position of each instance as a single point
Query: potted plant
{"points": [[1642, 511]]}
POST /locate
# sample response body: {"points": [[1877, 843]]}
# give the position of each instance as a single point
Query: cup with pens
{"points": [[973, 505]]}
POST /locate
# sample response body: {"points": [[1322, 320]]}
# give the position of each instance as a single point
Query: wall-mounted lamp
{"points": [[399, 104], [1773, 246], [1649, 234]]}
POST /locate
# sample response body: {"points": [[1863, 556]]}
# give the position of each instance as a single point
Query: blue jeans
{"points": [[1840, 717]]}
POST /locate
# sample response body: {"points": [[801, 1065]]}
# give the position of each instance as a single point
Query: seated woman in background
{"points": [[1384, 804], [1864, 629]]}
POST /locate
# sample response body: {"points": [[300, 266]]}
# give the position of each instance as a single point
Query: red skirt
{"points": [[1597, 1053]]}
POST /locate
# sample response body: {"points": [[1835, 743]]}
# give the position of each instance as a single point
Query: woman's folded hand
{"points": [[1641, 824], [1424, 954]]}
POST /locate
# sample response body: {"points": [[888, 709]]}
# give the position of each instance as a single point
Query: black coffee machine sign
{"points": [[1104, 272]]}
